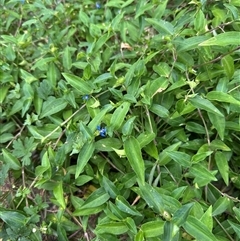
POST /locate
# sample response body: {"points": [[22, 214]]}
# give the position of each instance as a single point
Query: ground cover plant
{"points": [[120, 120]]}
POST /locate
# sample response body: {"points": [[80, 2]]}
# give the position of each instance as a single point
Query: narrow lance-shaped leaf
{"points": [[84, 156], [134, 155], [223, 39], [222, 164], [222, 97], [198, 230], [118, 115], [52, 106], [204, 104], [78, 83], [58, 194]]}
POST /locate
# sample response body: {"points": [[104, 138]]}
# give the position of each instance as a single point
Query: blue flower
{"points": [[98, 5], [85, 97], [102, 131]]}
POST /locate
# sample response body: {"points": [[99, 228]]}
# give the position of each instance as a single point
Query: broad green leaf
{"points": [[228, 65], [223, 39], [115, 228], [204, 104], [222, 97], [83, 157], [221, 205], [134, 155], [11, 160], [181, 215], [79, 84], [164, 158], [125, 207], [219, 123], [198, 230], [153, 228], [181, 158], [119, 115], [52, 106], [58, 194], [223, 167], [96, 199]]}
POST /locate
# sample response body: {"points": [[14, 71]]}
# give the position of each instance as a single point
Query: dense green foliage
{"points": [[120, 120]]}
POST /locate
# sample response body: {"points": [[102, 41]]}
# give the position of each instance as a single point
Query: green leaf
{"points": [[180, 157], [131, 225], [236, 227], [14, 219], [109, 187], [202, 173], [222, 97], [115, 228], [161, 26], [223, 167], [181, 215], [159, 110], [52, 106], [207, 219], [200, 156], [170, 230], [79, 84], [61, 233], [221, 205], [153, 198], [228, 65], [189, 43], [153, 228], [218, 123], [125, 207], [27, 77], [237, 213], [118, 116], [58, 194], [108, 144], [198, 230], [223, 39], [11, 160], [204, 104], [139, 236], [134, 155], [83, 157], [67, 60], [164, 158], [96, 199]]}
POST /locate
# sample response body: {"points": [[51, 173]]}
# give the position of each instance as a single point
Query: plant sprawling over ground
{"points": [[120, 120]]}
